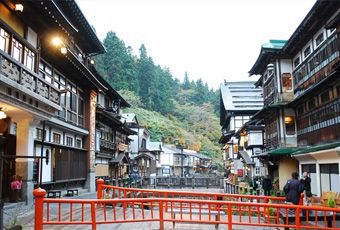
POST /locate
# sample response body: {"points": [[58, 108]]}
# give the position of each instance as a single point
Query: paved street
{"points": [[19, 213]]}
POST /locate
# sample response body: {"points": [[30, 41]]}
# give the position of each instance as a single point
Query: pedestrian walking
{"points": [[267, 185], [293, 189], [306, 181]]}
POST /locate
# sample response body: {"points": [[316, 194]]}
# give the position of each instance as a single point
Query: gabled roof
{"points": [[146, 155], [269, 51], [154, 146], [121, 158], [73, 13], [241, 96], [130, 117], [317, 17]]}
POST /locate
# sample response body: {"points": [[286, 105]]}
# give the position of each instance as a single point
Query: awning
{"points": [[316, 148], [278, 152], [283, 151], [246, 157]]}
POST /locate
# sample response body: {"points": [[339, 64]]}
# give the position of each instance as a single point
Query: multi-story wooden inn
{"points": [[48, 94], [301, 89]]}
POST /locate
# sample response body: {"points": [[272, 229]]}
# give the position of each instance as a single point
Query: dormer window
{"points": [[319, 39], [287, 84], [296, 62], [307, 51]]}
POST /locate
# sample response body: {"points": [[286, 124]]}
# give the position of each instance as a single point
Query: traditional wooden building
{"points": [[239, 101], [48, 93], [275, 69], [314, 48], [112, 142], [302, 102]]}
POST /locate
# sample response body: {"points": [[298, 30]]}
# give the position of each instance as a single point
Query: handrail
{"points": [[110, 211], [121, 192]]}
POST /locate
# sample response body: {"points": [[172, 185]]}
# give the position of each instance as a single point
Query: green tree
{"points": [[117, 65], [186, 82]]}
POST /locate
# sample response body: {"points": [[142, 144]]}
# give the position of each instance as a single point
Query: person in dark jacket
{"points": [[267, 185], [306, 184], [307, 187], [293, 189]]}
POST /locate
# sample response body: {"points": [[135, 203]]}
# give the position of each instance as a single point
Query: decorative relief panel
{"points": [[42, 89], [28, 81], [10, 70], [54, 96]]}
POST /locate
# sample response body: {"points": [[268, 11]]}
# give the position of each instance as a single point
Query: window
{"points": [[45, 72], [17, 50], [56, 138], [71, 97], [4, 40], [311, 104], [338, 90], [311, 169], [296, 62], [69, 141], [29, 59], [329, 177], [325, 97], [300, 110], [307, 51], [290, 125], [143, 143], [79, 143], [39, 134], [319, 39], [287, 82]]}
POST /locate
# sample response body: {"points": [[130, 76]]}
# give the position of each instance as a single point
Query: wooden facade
{"points": [[304, 125], [49, 92]]}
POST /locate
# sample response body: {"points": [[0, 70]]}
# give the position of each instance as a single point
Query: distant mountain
{"points": [[170, 109]]}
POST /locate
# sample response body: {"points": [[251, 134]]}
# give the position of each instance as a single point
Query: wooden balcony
{"points": [[316, 67], [107, 144], [16, 76]]}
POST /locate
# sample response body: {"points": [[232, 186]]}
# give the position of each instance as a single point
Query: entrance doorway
{"points": [[8, 147]]}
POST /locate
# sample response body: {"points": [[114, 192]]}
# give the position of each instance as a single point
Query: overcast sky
{"points": [[210, 39]]}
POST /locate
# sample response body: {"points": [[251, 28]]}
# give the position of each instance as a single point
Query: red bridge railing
{"points": [[166, 209], [109, 191]]}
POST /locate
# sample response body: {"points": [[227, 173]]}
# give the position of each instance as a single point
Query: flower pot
{"points": [[16, 227], [14, 195]]}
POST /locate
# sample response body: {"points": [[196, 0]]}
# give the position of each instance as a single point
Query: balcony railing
{"points": [[317, 62], [19, 75], [322, 117], [107, 144]]}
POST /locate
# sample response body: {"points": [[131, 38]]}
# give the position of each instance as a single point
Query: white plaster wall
{"points": [[46, 168], [286, 166], [286, 66]]}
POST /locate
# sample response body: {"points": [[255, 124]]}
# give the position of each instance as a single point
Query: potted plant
{"points": [[15, 188], [331, 202], [270, 214]]}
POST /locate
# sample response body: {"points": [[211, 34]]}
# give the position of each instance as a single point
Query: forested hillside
{"points": [[169, 108]]}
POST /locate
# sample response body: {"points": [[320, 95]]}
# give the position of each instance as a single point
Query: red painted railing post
{"points": [[39, 194], [161, 217], [302, 195], [297, 218], [100, 183], [93, 216], [230, 217]]}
